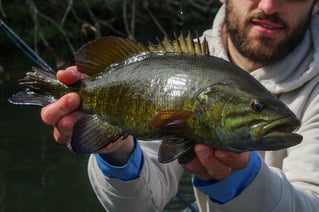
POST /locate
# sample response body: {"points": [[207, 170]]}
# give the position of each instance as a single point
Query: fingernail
{"points": [[202, 151]]}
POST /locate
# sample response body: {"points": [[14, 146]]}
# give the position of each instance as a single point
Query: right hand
{"points": [[63, 114], [212, 163]]}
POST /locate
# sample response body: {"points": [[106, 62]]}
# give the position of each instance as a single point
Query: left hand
{"points": [[216, 164]]}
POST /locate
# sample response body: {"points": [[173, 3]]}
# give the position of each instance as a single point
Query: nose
{"points": [[270, 6]]}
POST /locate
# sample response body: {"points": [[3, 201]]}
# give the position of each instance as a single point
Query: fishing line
{"points": [[25, 48]]}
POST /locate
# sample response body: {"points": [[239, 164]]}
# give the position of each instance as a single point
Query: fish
{"points": [[174, 91]]}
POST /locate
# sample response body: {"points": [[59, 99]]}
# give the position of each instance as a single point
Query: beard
{"points": [[262, 49]]}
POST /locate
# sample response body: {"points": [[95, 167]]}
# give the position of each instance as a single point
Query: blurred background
{"points": [[36, 174]]}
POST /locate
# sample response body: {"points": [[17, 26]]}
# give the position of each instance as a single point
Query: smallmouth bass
{"points": [[172, 91]]}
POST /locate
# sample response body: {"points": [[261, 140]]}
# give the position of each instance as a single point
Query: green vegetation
{"points": [[50, 25]]}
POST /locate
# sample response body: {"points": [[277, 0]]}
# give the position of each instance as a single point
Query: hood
{"points": [[291, 72]]}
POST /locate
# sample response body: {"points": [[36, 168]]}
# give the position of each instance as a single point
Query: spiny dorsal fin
{"points": [[181, 45], [95, 56]]}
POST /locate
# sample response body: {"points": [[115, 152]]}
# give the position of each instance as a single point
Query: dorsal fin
{"points": [[95, 56], [181, 44]]}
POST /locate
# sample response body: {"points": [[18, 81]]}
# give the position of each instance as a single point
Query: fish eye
{"points": [[256, 105]]}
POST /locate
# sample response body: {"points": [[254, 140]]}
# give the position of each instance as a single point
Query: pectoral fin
{"points": [[173, 148], [91, 134], [171, 121]]}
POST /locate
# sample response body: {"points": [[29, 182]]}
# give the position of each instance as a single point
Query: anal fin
{"points": [[91, 134]]}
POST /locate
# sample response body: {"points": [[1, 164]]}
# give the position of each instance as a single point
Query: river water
{"points": [[36, 174]]}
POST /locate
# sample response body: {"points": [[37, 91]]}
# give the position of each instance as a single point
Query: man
{"points": [[277, 41]]}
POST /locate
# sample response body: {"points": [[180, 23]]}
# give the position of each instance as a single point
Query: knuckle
{"points": [[52, 113]]}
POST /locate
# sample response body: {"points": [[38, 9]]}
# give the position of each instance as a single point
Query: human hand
{"points": [[216, 164], [63, 114]]}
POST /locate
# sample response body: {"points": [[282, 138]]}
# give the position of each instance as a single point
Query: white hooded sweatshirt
{"points": [[288, 179]]}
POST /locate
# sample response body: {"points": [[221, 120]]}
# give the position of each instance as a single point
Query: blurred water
{"points": [[36, 174]]}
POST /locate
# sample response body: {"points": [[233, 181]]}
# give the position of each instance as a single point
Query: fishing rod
{"points": [[25, 48]]}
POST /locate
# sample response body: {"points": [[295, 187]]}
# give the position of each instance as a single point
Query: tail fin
{"points": [[29, 97], [42, 89]]}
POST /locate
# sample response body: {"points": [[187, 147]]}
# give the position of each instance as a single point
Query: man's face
{"points": [[264, 31]]}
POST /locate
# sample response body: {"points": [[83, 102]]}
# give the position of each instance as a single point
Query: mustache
{"points": [[272, 18]]}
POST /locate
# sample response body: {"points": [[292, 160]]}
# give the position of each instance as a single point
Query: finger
{"points": [[233, 160], [66, 104], [59, 137], [63, 130], [215, 168], [196, 168], [66, 123], [70, 75]]}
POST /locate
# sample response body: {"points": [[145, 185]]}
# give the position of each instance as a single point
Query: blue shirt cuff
{"points": [[129, 171], [227, 189]]}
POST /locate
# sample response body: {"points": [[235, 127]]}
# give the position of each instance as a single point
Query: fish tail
{"points": [[43, 88]]}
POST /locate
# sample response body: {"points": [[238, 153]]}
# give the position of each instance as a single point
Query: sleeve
{"points": [[227, 189], [270, 191], [156, 184], [130, 171]]}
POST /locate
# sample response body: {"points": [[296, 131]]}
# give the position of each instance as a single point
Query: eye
{"points": [[256, 105]]}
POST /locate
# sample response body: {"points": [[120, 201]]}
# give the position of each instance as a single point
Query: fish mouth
{"points": [[277, 134], [283, 125]]}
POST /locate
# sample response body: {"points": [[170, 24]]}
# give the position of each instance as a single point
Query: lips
{"points": [[267, 27], [267, 24]]}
